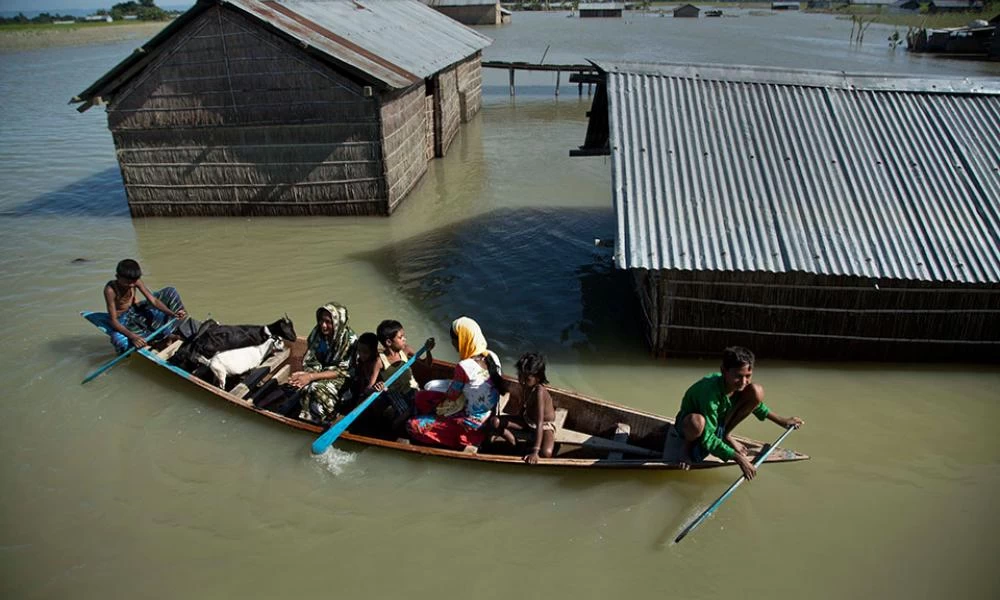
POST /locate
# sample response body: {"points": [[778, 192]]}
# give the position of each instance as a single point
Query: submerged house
{"points": [[600, 9], [289, 107], [805, 214], [942, 6], [688, 11], [471, 12]]}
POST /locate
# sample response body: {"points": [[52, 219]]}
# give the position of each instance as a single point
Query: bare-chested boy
{"points": [[131, 319]]}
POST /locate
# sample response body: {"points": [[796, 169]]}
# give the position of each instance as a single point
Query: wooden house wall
{"points": [[404, 135], [819, 317], [230, 119]]}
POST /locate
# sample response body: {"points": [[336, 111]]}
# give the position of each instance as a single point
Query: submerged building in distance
{"points": [[471, 12]]}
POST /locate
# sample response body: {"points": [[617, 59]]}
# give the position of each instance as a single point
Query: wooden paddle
{"points": [[330, 435], [708, 511], [127, 353]]}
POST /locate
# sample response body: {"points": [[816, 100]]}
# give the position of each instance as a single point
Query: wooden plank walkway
{"points": [[513, 67]]}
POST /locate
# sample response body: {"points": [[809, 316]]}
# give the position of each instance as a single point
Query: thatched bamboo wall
{"points": [[404, 135], [811, 316], [429, 130], [447, 108], [233, 120], [470, 87]]}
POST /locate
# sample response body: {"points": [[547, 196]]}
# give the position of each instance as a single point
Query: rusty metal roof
{"points": [[775, 170], [396, 43]]}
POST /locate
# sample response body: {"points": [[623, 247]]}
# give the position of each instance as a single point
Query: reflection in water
{"points": [[98, 195], [530, 276]]}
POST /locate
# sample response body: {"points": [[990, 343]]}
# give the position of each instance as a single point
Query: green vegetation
{"points": [[143, 10], [921, 20]]}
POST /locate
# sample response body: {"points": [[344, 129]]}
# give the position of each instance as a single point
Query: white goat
{"points": [[240, 360]]}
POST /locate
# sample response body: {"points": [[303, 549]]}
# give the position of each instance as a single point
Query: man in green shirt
{"points": [[714, 406]]}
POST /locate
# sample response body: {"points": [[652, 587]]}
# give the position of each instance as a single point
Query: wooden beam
{"points": [[590, 152]]}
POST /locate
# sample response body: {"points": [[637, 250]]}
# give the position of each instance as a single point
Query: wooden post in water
{"points": [[558, 73], [512, 81], [579, 89]]}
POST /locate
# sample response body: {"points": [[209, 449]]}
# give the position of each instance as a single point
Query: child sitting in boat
{"points": [[537, 411], [363, 381], [392, 356], [130, 319], [364, 378], [713, 407]]}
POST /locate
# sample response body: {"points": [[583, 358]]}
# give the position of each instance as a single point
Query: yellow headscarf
{"points": [[471, 341]]}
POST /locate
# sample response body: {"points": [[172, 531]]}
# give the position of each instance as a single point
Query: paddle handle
{"points": [[708, 511], [330, 435], [127, 353]]}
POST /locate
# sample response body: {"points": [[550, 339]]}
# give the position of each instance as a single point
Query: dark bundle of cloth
{"points": [[211, 338]]}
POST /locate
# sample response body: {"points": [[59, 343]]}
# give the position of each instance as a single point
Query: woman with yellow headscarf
{"points": [[451, 413]]}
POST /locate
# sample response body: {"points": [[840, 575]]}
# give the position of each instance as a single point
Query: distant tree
{"points": [[145, 10]]}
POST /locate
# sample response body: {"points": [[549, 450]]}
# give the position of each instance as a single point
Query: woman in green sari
{"points": [[331, 344]]}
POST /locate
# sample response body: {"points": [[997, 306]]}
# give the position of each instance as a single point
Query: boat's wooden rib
{"points": [[595, 434]]}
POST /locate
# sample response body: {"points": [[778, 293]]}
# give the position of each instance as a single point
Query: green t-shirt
{"points": [[708, 398]]}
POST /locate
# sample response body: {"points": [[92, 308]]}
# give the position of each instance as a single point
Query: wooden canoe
{"points": [[594, 433]]}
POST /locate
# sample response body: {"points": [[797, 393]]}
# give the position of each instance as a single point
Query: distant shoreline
{"points": [[17, 38]]}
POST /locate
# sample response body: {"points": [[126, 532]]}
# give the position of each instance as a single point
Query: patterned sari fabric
{"points": [[331, 353], [143, 318], [452, 413]]}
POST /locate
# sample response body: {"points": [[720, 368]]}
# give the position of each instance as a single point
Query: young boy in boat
{"points": [[363, 381], [133, 320], [713, 407], [537, 410], [394, 353]]}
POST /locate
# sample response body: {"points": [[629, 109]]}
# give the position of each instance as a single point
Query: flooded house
{"points": [[785, 5], [590, 10], [874, 5], [943, 6], [289, 107], [471, 12], [805, 214], [688, 11]]}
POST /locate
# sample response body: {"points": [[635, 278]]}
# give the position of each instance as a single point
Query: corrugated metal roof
{"points": [[395, 42], [754, 169], [601, 6]]}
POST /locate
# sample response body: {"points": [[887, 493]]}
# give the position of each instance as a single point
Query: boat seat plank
{"points": [[576, 438], [622, 431], [240, 390]]}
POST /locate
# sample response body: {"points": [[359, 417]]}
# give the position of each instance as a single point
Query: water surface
{"points": [[136, 486]]}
